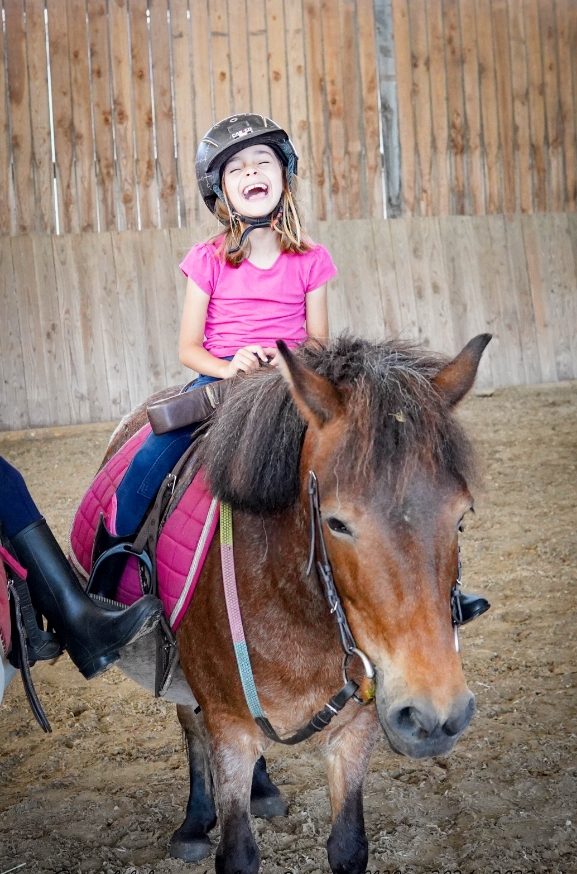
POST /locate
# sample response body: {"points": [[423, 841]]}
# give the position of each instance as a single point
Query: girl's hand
{"points": [[272, 354], [246, 359]]}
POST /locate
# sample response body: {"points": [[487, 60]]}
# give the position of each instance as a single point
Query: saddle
{"points": [[172, 543]]}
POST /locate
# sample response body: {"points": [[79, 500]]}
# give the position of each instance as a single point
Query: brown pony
{"points": [[374, 422]]}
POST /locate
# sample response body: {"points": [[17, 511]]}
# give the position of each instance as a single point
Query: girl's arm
{"points": [[190, 349], [317, 316]]}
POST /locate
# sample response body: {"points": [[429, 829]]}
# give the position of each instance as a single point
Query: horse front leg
{"points": [[348, 751], [191, 842], [234, 753]]}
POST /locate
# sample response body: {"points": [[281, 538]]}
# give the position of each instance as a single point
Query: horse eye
{"points": [[338, 527]]}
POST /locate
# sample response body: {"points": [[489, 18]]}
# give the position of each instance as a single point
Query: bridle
{"points": [[362, 693]]}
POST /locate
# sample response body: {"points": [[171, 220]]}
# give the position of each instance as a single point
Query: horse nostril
{"points": [[460, 717], [416, 721]]}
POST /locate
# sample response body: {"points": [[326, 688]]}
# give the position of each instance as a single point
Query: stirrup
{"points": [[119, 549], [465, 607]]}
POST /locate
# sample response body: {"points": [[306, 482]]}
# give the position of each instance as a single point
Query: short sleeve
{"points": [[201, 265], [322, 268]]}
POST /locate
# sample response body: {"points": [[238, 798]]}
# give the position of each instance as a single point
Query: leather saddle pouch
{"points": [[186, 408]]}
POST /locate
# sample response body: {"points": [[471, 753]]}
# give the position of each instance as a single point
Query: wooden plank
{"points": [[161, 78], [102, 108], [475, 177], [40, 117], [316, 85], [221, 72], [494, 200], [369, 106], [422, 101], [409, 319], [536, 103], [430, 286], [146, 182], [504, 101], [461, 258], [567, 46], [536, 266], [354, 251], [521, 107], [258, 52], [277, 62], [7, 217], [559, 283], [51, 340], [548, 29], [502, 280], [131, 325], [62, 115], [186, 141], [68, 290], [331, 36], [403, 66], [352, 101], [122, 115], [102, 292], [157, 259], [387, 276], [456, 107], [81, 109], [201, 79], [13, 392], [439, 112], [489, 290], [239, 58], [387, 83], [522, 290], [298, 107], [152, 337], [21, 134], [32, 333]]}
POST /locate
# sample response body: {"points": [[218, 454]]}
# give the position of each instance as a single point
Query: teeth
{"points": [[258, 187]]}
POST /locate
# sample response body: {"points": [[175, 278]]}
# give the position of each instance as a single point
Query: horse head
{"points": [[394, 469]]}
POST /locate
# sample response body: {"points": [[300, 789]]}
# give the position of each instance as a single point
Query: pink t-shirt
{"points": [[251, 305]]}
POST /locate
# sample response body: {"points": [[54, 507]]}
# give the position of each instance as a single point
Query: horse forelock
{"points": [[395, 420]]}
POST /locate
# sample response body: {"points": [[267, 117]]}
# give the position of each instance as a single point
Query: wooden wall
{"points": [[486, 95], [89, 322], [135, 84]]}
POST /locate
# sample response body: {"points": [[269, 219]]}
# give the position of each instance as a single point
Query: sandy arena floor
{"points": [[104, 792]]}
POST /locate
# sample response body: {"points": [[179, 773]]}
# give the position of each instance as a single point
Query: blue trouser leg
{"points": [[153, 461], [17, 509]]}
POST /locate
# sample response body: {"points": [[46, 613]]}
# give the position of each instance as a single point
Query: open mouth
{"points": [[256, 191]]}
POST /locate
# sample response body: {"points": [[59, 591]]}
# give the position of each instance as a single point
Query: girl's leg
{"points": [[17, 509]]}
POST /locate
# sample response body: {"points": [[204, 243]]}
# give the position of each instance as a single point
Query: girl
{"points": [[260, 280]]}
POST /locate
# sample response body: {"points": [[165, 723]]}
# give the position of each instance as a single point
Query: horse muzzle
{"points": [[415, 727]]}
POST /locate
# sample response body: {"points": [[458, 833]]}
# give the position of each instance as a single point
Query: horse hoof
{"points": [[192, 850], [267, 808]]}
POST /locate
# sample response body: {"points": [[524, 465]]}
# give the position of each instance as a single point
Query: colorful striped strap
{"points": [[233, 610]]}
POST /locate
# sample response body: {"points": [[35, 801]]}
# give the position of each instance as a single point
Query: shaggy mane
{"points": [[395, 418]]}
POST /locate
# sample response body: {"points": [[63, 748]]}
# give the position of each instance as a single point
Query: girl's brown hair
{"points": [[288, 227]]}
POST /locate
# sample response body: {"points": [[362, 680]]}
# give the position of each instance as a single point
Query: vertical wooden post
{"points": [[389, 107]]}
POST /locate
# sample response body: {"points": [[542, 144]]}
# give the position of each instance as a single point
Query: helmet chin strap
{"points": [[265, 221]]}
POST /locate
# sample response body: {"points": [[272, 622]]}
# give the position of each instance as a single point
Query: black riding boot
{"points": [[468, 607], [92, 635]]}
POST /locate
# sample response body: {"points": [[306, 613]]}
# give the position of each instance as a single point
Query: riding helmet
{"points": [[229, 136]]}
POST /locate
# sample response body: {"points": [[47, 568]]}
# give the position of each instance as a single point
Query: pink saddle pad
{"points": [[4, 612], [182, 546]]}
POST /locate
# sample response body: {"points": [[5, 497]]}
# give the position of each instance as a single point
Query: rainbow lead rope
{"points": [[233, 610]]}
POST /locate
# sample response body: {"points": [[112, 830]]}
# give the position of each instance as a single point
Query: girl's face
{"points": [[253, 181]]}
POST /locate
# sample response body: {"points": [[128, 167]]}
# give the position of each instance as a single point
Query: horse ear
{"points": [[317, 400], [457, 378]]}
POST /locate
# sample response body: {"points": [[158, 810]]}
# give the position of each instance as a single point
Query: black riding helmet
{"points": [[229, 136]]}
